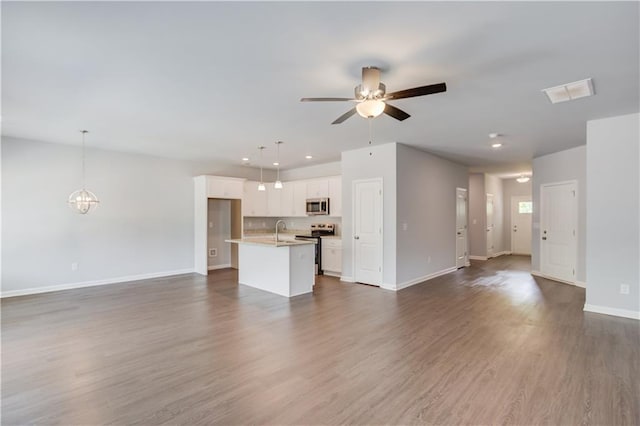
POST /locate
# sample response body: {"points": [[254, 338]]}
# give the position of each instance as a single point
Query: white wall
{"points": [[219, 230], [426, 213], [493, 185], [559, 167], [613, 206], [370, 162], [143, 227], [512, 188], [477, 215], [310, 172]]}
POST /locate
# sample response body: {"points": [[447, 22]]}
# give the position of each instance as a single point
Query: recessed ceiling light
{"points": [[523, 179], [276, 163], [493, 135], [496, 145], [308, 157], [570, 91], [245, 159]]}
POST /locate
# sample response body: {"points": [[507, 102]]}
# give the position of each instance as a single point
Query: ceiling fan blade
{"points": [[326, 99], [418, 91], [396, 113], [344, 116]]}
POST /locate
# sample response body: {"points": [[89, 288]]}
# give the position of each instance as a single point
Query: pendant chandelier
{"points": [[261, 186], [83, 200], [278, 183]]}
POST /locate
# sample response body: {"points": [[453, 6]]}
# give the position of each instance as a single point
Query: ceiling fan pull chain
{"points": [[370, 120]]}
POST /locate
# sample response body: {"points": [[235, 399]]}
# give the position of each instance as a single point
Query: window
{"points": [[525, 207]]}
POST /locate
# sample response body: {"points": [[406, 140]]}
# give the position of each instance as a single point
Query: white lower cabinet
{"points": [[331, 255]]}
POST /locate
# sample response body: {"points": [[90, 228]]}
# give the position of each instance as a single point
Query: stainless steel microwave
{"points": [[317, 206]]}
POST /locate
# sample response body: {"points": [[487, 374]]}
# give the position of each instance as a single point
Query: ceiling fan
{"points": [[372, 98]]}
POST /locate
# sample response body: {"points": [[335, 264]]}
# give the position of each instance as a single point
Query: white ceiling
{"points": [[215, 80]]}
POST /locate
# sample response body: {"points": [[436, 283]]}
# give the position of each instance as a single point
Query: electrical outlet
{"points": [[210, 224], [474, 221], [624, 288], [405, 226], [213, 252], [74, 266]]}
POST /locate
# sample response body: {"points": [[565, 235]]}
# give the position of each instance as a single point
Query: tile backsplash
{"points": [[268, 224]]}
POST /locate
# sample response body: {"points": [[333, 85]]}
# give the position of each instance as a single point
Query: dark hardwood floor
{"points": [[488, 344]]}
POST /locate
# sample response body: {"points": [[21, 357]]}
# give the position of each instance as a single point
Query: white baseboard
{"points": [[501, 253], [332, 274], [347, 279], [477, 257], [419, 280], [36, 290], [214, 267], [575, 283], [625, 313]]}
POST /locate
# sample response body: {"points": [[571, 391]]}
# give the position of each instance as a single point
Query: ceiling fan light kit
{"points": [[83, 200], [373, 100], [370, 108], [523, 179]]}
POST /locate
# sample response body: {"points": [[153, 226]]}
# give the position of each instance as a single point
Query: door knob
{"points": [[544, 238], [459, 233], [356, 237]]}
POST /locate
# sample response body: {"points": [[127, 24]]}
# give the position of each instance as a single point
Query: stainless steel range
{"points": [[316, 232]]}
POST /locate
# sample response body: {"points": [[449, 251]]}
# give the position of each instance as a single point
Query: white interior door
{"points": [[461, 227], [367, 226], [558, 224], [490, 251], [521, 211]]}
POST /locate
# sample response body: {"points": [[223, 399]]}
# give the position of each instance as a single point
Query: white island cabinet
{"points": [[286, 268]]}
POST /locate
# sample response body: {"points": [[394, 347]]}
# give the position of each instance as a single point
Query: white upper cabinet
{"points": [[318, 188], [299, 198], [224, 187], [335, 196], [274, 201], [291, 200], [287, 206], [254, 202]]}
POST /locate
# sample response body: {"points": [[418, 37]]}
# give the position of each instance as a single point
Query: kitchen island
{"points": [[286, 268]]}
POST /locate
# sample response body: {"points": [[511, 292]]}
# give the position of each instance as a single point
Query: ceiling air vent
{"points": [[570, 91]]}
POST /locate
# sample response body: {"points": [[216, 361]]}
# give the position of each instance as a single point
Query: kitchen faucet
{"points": [[284, 226]]}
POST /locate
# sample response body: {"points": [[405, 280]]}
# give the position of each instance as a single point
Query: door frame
{"points": [[486, 224], [353, 226], [577, 229], [466, 227], [514, 198]]}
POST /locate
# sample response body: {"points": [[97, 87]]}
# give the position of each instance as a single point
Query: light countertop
{"points": [[271, 242]]}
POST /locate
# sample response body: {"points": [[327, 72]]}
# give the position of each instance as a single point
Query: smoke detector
{"points": [[570, 91]]}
